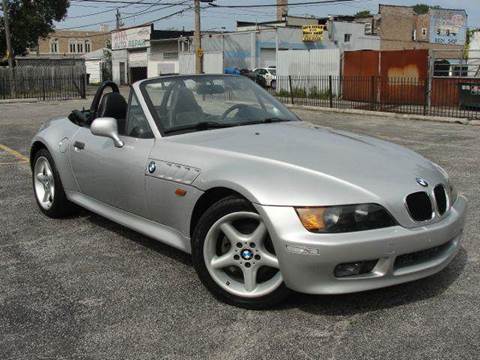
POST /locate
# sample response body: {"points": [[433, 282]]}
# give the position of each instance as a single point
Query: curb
{"points": [[37, 100], [451, 120]]}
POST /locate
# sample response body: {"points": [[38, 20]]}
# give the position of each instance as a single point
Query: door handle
{"points": [[79, 145]]}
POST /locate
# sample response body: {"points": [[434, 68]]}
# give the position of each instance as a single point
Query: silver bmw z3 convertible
{"points": [[264, 202]]}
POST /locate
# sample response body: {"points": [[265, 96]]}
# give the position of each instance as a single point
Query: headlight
{"points": [[346, 218]]}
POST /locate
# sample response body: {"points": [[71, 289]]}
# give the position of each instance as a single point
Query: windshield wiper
{"points": [[203, 125], [274, 119], [264, 121]]}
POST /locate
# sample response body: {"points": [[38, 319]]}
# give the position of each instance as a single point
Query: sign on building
{"points": [[312, 33], [448, 27], [131, 38]]}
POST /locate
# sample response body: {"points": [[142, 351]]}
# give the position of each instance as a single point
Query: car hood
{"points": [[357, 159], [297, 163]]}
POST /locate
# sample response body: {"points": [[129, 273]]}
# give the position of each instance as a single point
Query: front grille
{"points": [[419, 257], [419, 206], [440, 198]]}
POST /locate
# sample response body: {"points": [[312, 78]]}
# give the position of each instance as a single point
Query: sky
{"points": [[83, 15]]}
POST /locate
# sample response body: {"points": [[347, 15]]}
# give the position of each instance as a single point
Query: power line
{"points": [[141, 2], [303, 3], [133, 15], [124, 2]]}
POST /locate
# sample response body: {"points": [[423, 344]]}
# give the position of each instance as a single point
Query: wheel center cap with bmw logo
{"points": [[422, 182], [246, 254]]}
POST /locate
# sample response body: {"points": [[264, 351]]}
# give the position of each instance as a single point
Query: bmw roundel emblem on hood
{"points": [[151, 167], [422, 182]]}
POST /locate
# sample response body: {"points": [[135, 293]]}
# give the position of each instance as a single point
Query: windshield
{"points": [[273, 71], [201, 102]]}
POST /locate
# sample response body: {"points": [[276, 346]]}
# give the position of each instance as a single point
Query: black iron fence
{"points": [[438, 96], [42, 83]]}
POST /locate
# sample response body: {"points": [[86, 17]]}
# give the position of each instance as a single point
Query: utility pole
{"points": [[118, 18], [197, 39], [7, 35]]}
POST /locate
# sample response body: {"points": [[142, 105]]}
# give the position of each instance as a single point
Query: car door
{"points": [[115, 176]]}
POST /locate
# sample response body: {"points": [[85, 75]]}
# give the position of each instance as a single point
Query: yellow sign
{"points": [[199, 52], [313, 33]]}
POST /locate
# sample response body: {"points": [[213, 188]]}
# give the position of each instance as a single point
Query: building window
{"points": [[54, 46], [88, 46], [347, 38], [72, 46], [79, 47], [424, 31]]}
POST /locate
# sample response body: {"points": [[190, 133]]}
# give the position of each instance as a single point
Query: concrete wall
{"points": [[93, 68], [252, 49], [358, 39], [119, 56], [474, 55], [158, 62]]}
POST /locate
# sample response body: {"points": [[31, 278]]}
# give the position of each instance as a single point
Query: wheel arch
{"points": [[207, 199], [36, 146]]}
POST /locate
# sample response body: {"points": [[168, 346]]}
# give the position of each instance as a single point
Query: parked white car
{"points": [[269, 74]]}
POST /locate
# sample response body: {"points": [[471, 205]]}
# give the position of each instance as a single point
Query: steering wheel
{"points": [[239, 107], [99, 95]]}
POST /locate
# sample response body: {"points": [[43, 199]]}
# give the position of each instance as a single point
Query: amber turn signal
{"points": [[180, 192], [312, 218]]}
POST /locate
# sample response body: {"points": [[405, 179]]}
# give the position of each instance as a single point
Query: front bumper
{"points": [[308, 260]]}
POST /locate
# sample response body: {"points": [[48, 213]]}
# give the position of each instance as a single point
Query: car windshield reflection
{"points": [[202, 102]]}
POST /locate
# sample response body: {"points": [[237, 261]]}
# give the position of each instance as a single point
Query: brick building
{"points": [[401, 28], [71, 43]]}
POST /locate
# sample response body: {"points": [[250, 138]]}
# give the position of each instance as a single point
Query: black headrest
{"points": [[185, 101], [113, 105]]}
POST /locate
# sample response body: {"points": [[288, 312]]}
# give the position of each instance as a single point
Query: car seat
{"points": [[185, 109], [114, 105]]}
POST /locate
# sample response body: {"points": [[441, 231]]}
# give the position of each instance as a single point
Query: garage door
{"points": [[267, 57]]}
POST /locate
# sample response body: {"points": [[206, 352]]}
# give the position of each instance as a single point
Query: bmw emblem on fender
{"points": [[422, 182], [151, 167]]}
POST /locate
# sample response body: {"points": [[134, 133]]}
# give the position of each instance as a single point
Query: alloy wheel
{"points": [[239, 255], [44, 183]]}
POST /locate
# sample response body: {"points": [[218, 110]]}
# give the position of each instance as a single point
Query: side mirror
{"points": [[107, 127]]}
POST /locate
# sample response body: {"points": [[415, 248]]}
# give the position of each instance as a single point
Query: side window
{"points": [[137, 123]]}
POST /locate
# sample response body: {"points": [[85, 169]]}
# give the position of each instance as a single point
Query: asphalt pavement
{"points": [[86, 288]]}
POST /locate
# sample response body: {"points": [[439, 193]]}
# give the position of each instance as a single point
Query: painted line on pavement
{"points": [[22, 158]]}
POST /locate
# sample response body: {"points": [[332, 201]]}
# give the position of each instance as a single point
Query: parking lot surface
{"points": [[86, 288]]}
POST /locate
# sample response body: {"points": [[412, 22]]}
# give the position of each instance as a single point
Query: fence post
{"points": [[330, 90], [43, 88], [83, 85], [291, 88], [426, 96], [373, 94]]}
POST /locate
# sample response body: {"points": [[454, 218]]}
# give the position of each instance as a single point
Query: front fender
{"points": [[56, 135]]}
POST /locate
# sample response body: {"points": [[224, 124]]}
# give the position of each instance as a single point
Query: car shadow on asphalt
{"points": [[333, 305], [136, 237], [389, 297]]}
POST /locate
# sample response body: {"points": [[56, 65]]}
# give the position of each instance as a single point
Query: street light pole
{"points": [[7, 35], [197, 39]]}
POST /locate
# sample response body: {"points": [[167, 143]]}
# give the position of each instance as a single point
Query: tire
{"points": [[254, 260], [273, 84], [52, 202]]}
